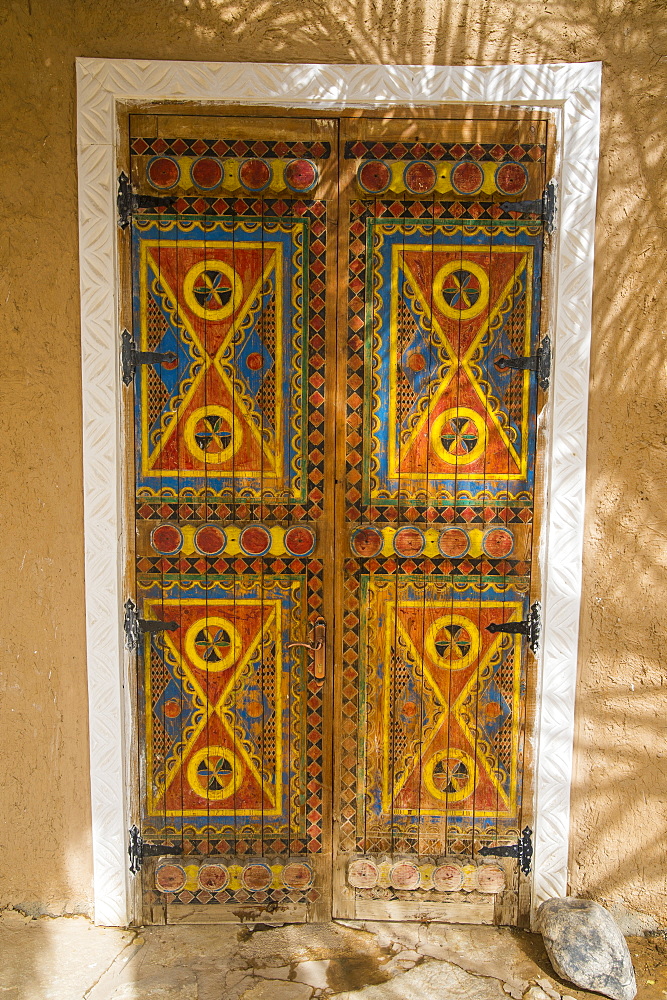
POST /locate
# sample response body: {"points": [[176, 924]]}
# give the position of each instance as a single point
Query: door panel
{"points": [[444, 284], [342, 437], [232, 516]]}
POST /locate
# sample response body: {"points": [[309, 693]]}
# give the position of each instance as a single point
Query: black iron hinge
{"points": [[131, 358], [128, 202], [530, 627], [135, 627], [540, 362], [545, 206], [138, 850], [523, 850]]}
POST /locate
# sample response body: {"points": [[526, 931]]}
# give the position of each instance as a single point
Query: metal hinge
{"points": [[131, 358], [135, 627], [138, 850], [523, 850], [540, 362], [546, 206], [530, 627], [128, 202]]}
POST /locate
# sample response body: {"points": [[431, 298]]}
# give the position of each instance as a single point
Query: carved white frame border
{"points": [[573, 91]]}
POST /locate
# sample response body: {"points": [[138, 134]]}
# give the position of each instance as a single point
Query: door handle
{"points": [[317, 647]]}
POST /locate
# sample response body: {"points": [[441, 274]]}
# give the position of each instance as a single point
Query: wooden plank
{"points": [[446, 913], [239, 914]]}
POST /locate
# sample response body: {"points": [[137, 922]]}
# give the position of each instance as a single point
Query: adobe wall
{"points": [[620, 790]]}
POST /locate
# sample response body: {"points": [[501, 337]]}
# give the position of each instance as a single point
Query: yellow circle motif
{"points": [[212, 289], [212, 435], [458, 436], [212, 644], [450, 775], [452, 642], [461, 289], [214, 773]]}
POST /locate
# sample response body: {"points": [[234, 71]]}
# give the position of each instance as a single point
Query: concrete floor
{"points": [[68, 958]]}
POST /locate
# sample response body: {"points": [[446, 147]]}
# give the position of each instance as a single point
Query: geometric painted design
{"points": [[449, 304], [439, 494]]}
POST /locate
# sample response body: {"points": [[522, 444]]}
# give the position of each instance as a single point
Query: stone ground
{"points": [[68, 958]]}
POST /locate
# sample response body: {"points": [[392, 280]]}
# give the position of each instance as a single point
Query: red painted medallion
{"points": [[299, 540], [467, 178], [255, 540], [453, 543], [408, 542], [255, 175], [166, 538], [366, 542], [163, 172], [170, 878], [301, 175], [213, 877], [498, 543], [374, 176], [420, 177], [206, 172], [257, 877], [210, 540], [511, 178]]}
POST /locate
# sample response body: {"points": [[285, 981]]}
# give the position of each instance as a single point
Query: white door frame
{"points": [[572, 91]]}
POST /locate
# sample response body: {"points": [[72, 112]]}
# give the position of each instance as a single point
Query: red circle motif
{"points": [[420, 177], [408, 542], [467, 178], [170, 878], [405, 875], [299, 541], [255, 174], [374, 176], [498, 543], [255, 540], [362, 874], [213, 877], [210, 540], [511, 178], [301, 175], [453, 543], [366, 542], [172, 708], [257, 877], [206, 172], [297, 875], [416, 362], [491, 878], [163, 172], [254, 361], [447, 878], [166, 538]]}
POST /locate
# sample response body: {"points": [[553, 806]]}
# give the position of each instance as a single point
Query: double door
{"points": [[333, 392]]}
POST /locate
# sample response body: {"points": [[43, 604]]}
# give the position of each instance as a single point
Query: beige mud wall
{"points": [[620, 791]]}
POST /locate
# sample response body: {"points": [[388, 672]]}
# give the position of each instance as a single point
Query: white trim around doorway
{"points": [[572, 92]]}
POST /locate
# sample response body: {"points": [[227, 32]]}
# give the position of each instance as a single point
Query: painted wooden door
{"points": [[330, 449], [233, 517], [442, 275]]}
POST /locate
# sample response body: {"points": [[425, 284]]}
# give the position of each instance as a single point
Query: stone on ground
{"points": [[431, 979], [586, 947]]}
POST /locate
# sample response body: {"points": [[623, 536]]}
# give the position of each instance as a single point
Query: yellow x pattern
{"points": [[489, 761], [224, 707], [274, 251], [411, 289]]}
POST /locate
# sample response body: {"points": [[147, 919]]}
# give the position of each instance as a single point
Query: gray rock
{"points": [[585, 945]]}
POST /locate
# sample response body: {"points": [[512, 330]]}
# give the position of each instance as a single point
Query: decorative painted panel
{"points": [[444, 273], [229, 255]]}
